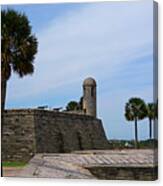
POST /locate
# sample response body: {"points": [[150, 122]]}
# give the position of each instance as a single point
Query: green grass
{"points": [[13, 164]]}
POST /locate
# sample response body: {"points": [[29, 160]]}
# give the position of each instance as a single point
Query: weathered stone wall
{"points": [[29, 131], [18, 140], [125, 173], [79, 112]]}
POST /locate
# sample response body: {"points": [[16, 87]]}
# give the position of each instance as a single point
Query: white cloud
{"points": [[94, 40], [97, 40]]}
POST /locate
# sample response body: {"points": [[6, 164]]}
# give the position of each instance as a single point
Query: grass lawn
{"points": [[13, 164]]}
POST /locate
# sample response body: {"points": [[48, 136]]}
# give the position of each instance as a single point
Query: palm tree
{"points": [[18, 49], [151, 114], [135, 110]]}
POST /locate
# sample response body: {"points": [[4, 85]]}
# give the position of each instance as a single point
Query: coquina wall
{"points": [[30, 131]]}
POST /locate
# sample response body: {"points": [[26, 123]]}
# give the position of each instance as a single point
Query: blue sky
{"points": [[110, 41]]}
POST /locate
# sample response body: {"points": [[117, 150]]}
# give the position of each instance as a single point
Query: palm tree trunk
{"points": [[136, 134], [3, 93], [150, 128], [3, 97]]}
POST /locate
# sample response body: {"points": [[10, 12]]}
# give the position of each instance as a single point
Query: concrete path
{"points": [[74, 165]]}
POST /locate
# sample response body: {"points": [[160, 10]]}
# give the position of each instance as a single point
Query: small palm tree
{"points": [[72, 105], [18, 49], [135, 110], [151, 114]]}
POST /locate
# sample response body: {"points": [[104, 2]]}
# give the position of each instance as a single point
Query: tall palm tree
{"points": [[135, 110], [18, 48], [151, 114]]}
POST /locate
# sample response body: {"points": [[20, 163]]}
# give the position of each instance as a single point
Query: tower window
{"points": [[84, 91], [92, 92]]}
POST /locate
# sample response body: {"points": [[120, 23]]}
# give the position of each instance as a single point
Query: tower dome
{"points": [[89, 82]]}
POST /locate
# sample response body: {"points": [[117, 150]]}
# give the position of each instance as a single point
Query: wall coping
{"points": [[35, 111]]}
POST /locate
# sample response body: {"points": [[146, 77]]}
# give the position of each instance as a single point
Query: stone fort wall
{"points": [[30, 131]]}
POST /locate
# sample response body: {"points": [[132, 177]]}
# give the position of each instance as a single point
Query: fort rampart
{"points": [[30, 131]]}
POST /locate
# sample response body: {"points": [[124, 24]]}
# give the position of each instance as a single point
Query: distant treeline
{"points": [[129, 144]]}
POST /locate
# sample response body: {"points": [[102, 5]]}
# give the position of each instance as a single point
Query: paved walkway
{"points": [[74, 165], [12, 171]]}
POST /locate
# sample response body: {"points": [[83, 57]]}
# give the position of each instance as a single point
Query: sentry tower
{"points": [[89, 96]]}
